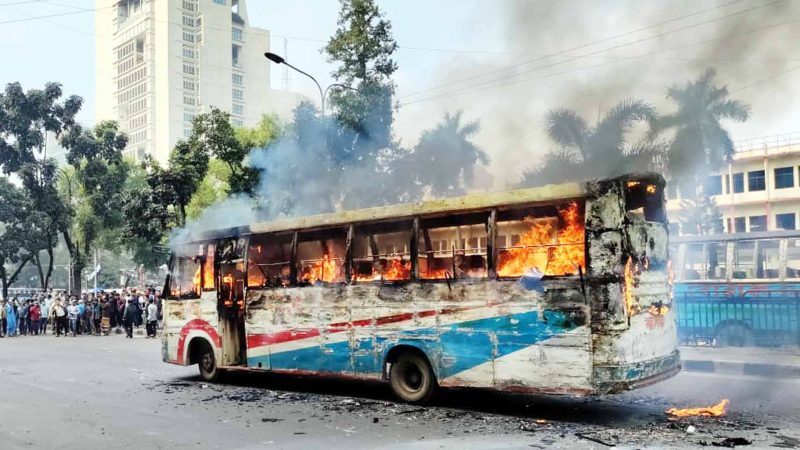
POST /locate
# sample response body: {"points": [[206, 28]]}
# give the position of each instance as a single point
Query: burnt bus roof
{"points": [[549, 193]]}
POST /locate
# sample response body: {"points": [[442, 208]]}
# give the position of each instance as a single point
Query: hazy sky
{"points": [[461, 55]]}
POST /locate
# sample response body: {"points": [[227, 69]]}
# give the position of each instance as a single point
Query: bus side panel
{"points": [[186, 319], [483, 334]]}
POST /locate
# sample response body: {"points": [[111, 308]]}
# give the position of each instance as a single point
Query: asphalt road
{"points": [[110, 392]]}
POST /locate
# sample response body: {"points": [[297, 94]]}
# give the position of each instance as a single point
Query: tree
{"points": [[701, 144], [16, 221], [700, 216], [100, 172], [26, 118], [444, 159], [362, 46], [600, 151]]}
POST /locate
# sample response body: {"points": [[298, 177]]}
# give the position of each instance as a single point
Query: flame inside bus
{"points": [[536, 247], [320, 270]]}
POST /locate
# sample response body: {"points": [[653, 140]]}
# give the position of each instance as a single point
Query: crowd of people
{"points": [[90, 314]]}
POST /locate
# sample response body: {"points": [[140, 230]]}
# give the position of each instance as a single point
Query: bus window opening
{"points": [[208, 268], [453, 247], [186, 277], [321, 257], [382, 254], [549, 240], [269, 260]]}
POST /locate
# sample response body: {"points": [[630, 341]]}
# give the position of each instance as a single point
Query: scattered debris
{"points": [[271, 419], [691, 429], [787, 442], [594, 439], [728, 442], [713, 411]]}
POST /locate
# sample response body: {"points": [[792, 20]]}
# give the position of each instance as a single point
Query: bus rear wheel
{"points": [[207, 363], [412, 378]]}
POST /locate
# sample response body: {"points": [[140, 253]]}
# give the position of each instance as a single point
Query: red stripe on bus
{"points": [[257, 340], [196, 324]]}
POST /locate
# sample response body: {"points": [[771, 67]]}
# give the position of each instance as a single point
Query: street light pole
{"points": [[277, 59]]}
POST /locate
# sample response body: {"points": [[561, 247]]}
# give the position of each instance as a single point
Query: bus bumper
{"points": [[615, 379]]}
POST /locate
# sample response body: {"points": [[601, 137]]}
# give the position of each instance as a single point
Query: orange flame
{"points": [[658, 310], [712, 411], [651, 189], [536, 247], [630, 303], [208, 274], [322, 270], [397, 269], [196, 283]]}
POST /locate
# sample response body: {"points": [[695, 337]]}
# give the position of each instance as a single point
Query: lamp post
{"points": [[277, 59]]}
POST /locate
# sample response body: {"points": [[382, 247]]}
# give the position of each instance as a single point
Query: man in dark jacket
{"points": [[129, 318]]}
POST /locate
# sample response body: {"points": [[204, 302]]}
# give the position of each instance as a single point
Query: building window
{"points": [[219, 2], [237, 123], [236, 34], [238, 94], [785, 221], [739, 225], [189, 69], [189, 85], [188, 37], [188, 21], [758, 223], [187, 100], [738, 183], [784, 178], [235, 52], [756, 181], [238, 109], [188, 117], [188, 53], [238, 79], [714, 185], [187, 132]]}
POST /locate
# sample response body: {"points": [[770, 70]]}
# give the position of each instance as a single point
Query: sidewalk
{"points": [[758, 361]]}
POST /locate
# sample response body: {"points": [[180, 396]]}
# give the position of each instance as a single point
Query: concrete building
{"points": [[161, 62], [758, 191]]}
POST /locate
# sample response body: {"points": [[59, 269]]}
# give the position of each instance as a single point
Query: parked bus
{"points": [[738, 289], [555, 289]]}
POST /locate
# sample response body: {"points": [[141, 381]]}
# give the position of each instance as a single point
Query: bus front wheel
{"points": [[412, 378], [207, 363]]}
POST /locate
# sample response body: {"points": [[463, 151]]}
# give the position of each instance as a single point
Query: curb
{"points": [[742, 368]]}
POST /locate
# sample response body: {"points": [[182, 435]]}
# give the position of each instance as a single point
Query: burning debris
{"points": [[717, 410]]}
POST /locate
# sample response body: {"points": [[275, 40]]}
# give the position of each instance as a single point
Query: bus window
{"points": [[694, 262], [382, 253], [645, 201], [269, 260], [453, 246], [793, 258], [321, 257], [185, 282], [768, 262], [743, 260], [208, 268], [550, 240], [716, 252]]}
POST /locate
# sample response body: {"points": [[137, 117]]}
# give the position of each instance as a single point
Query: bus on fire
{"points": [[556, 289]]}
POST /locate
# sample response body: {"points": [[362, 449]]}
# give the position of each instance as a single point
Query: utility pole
{"points": [[95, 270]]}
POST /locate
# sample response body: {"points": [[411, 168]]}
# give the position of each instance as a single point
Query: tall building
{"points": [[161, 62], [759, 190]]}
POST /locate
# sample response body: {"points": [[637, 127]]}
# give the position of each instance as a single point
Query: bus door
{"points": [[230, 300]]}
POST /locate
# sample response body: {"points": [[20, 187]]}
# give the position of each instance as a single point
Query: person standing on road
{"points": [[152, 318], [81, 312], [129, 318], [35, 314], [72, 315], [23, 317], [107, 314], [60, 316], [97, 314], [3, 318], [11, 318], [45, 313]]}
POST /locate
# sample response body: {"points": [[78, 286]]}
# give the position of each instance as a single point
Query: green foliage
{"points": [[700, 216], [21, 228], [362, 46], [701, 144], [26, 117], [212, 189], [603, 150], [268, 130]]}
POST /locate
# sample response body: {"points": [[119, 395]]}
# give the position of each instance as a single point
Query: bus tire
{"points": [[735, 334], [207, 363], [412, 378]]}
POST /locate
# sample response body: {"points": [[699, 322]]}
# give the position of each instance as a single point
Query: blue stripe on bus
{"points": [[452, 348]]}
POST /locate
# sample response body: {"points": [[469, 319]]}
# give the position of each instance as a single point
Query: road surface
{"points": [[111, 392]]}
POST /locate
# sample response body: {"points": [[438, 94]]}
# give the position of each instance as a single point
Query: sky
{"points": [[504, 63]]}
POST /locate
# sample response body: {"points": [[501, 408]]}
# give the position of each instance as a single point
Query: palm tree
{"points": [[701, 145], [445, 157], [603, 150]]}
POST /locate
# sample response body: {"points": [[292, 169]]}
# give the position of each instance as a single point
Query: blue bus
{"points": [[739, 289]]}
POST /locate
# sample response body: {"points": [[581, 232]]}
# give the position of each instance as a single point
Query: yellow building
{"points": [[758, 191]]}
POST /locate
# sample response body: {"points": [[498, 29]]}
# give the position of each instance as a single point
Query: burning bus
{"points": [[555, 289]]}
